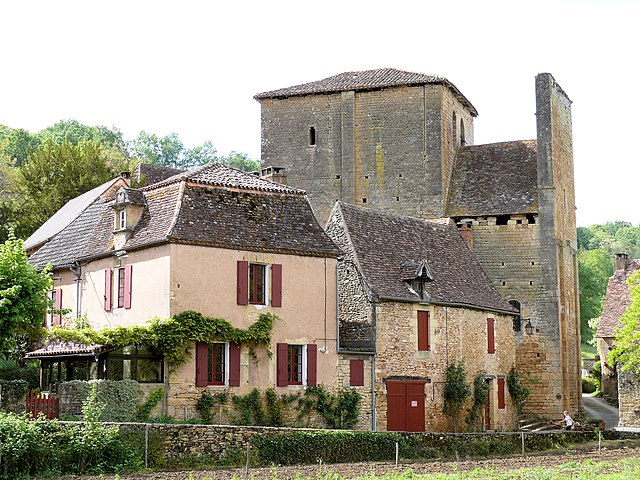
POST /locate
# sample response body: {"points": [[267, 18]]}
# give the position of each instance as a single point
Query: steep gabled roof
{"points": [[494, 179], [225, 211], [384, 244], [617, 300], [366, 80], [67, 214]]}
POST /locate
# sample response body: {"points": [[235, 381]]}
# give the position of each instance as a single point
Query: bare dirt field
{"points": [[611, 452]]}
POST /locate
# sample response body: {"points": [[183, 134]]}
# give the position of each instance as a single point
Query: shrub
{"points": [[13, 394], [119, 396], [38, 447], [589, 385]]}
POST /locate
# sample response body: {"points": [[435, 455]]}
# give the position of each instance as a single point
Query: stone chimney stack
{"points": [[275, 174], [621, 262], [466, 233]]}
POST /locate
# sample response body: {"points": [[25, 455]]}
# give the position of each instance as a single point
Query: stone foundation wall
{"points": [[628, 399]]}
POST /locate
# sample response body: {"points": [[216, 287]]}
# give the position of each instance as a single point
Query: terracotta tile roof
{"points": [[205, 214], [385, 244], [366, 80], [616, 300], [147, 174], [494, 179], [220, 175], [66, 349]]}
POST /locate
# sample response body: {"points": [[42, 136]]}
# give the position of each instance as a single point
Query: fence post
{"points": [[522, 437], [396, 454], [146, 445], [246, 468]]}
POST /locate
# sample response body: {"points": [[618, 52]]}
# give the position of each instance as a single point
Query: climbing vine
{"points": [[173, 336], [480, 391], [519, 393], [456, 391]]}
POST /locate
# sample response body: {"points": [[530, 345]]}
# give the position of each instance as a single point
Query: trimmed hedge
{"points": [[13, 394]]}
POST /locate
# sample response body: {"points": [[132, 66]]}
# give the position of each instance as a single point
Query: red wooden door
{"points": [[405, 406], [487, 408]]}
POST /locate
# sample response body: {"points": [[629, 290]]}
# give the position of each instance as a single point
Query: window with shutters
{"points": [[123, 287], [120, 219], [424, 340], [296, 364], [259, 284], [217, 364], [501, 393], [55, 317], [491, 340], [356, 373]]}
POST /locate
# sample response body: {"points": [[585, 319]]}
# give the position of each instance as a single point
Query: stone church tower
{"points": [[403, 142]]}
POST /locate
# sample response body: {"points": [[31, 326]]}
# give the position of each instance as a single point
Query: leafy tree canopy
{"points": [[241, 161], [627, 344], [23, 300], [169, 151]]}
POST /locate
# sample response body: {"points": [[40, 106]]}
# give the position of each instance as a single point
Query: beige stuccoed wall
{"points": [[149, 290], [456, 333], [204, 279]]}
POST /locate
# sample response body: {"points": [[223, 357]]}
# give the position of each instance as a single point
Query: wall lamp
{"points": [[528, 327]]}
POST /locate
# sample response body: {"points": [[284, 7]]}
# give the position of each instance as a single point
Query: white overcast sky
{"points": [[192, 67]]}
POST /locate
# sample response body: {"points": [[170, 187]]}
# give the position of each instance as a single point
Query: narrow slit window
{"points": [[312, 135]]}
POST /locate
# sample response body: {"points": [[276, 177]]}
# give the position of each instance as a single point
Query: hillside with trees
{"points": [[597, 245], [41, 171]]}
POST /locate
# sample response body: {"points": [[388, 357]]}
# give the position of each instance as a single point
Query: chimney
{"points": [[621, 262], [275, 174], [126, 176], [466, 233]]}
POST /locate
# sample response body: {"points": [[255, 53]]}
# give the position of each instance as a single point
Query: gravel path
{"points": [[612, 451]]}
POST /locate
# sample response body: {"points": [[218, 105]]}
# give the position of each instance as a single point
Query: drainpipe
{"points": [[338, 264], [373, 366], [446, 334], [77, 271]]}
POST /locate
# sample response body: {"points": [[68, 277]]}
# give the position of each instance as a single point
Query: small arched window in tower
{"points": [[463, 142], [454, 128], [312, 135], [517, 319]]}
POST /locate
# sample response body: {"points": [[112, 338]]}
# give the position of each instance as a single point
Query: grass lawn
{"points": [[588, 351]]}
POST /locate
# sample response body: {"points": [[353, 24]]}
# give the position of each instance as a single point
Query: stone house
{"points": [[222, 242], [403, 143], [622, 385], [412, 299]]}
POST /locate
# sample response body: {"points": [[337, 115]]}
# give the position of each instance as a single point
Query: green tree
{"points": [[627, 343], [56, 173], [17, 143], [456, 391], [594, 269], [241, 161], [76, 133], [169, 151], [23, 300]]}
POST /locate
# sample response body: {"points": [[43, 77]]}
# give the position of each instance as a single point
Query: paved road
{"points": [[597, 407]]}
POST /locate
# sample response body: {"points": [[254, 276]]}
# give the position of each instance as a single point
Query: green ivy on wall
{"points": [[173, 336]]}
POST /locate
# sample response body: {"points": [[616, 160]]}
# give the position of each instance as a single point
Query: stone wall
{"points": [[13, 396], [628, 399], [228, 445], [390, 149], [558, 243], [455, 333]]}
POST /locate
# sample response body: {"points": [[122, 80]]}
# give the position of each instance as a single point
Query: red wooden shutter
{"points": [[501, 396], [276, 285], [243, 283], [356, 373], [282, 351], [108, 282], [57, 318], [491, 342], [128, 269], [312, 364], [202, 364], [423, 331], [234, 365]]}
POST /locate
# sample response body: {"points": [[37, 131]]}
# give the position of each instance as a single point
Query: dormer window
{"points": [[415, 274], [417, 286], [121, 219]]}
